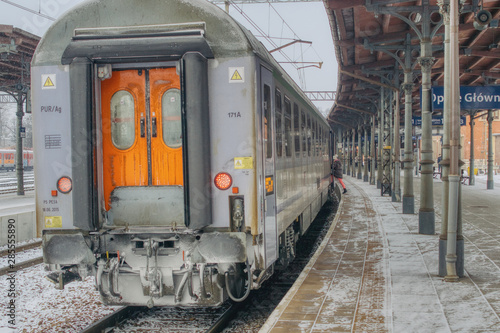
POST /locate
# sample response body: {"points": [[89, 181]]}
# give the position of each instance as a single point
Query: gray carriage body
{"points": [[153, 241]]}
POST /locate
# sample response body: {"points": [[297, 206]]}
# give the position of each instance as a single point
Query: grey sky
{"points": [[308, 21]]}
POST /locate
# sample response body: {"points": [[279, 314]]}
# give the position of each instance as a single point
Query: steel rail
{"points": [[111, 320], [21, 248], [225, 318], [21, 265]]}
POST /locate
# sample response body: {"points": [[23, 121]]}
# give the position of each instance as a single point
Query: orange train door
{"points": [[142, 132]]}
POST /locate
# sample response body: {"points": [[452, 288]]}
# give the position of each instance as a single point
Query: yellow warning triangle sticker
{"points": [[236, 76], [48, 82]]}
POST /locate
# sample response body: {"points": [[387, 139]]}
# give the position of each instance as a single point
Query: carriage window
{"points": [[288, 128], [304, 132], [122, 119], [268, 134], [314, 137], [171, 118], [296, 127], [279, 129], [320, 140], [309, 134]]}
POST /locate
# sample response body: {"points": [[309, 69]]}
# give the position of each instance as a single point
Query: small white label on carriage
{"points": [[48, 81], [236, 74]]}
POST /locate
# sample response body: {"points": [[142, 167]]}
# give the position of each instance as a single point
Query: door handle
{"points": [[153, 125], [143, 127]]}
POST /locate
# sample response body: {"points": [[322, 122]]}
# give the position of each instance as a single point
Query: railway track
{"points": [[20, 264], [22, 248], [142, 319], [247, 316], [8, 182]]}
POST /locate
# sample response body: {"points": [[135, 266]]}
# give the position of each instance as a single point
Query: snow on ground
{"points": [[42, 308], [22, 256], [19, 244]]}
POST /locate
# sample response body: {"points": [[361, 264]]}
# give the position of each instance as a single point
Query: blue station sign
{"points": [[436, 121], [471, 97]]}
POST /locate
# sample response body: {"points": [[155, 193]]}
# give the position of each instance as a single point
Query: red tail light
{"points": [[64, 185], [223, 181]]}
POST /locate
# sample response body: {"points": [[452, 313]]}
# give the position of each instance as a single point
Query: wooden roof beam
{"points": [[375, 64], [353, 109], [344, 4], [339, 17]]}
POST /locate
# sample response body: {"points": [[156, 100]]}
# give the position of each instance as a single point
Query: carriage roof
{"points": [[225, 36]]}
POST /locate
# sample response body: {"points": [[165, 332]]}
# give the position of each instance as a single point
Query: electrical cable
{"points": [[28, 10]]}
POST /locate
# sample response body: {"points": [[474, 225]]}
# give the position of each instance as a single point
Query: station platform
{"points": [[374, 273], [21, 209]]}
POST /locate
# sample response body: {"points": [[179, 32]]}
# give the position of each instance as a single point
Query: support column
{"points": [[360, 151], [380, 139], [454, 175], [373, 156], [386, 186], [19, 145], [426, 217], [365, 152], [344, 152], [472, 175], [408, 195], [490, 183], [349, 152], [396, 194], [445, 162], [354, 153]]}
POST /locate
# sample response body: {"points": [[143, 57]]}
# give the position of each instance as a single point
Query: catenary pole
{"points": [[19, 144]]}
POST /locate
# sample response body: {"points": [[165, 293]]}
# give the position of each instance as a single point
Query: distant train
{"points": [[175, 159], [8, 160]]}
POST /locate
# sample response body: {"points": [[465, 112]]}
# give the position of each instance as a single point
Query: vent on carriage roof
{"points": [[159, 30]]}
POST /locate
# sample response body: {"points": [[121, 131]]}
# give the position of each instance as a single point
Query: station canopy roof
{"points": [[370, 35], [16, 50]]}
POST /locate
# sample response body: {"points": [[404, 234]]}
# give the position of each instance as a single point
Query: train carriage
{"points": [[177, 161], [8, 160]]}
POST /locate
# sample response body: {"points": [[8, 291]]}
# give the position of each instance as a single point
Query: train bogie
{"points": [[187, 162]]}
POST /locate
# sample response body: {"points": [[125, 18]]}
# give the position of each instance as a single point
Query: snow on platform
{"points": [[375, 273]]}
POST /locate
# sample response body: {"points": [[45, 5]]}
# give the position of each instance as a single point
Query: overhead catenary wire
{"points": [[29, 9], [294, 59]]}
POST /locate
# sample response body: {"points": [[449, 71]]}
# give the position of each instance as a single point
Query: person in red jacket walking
{"points": [[337, 171]]}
